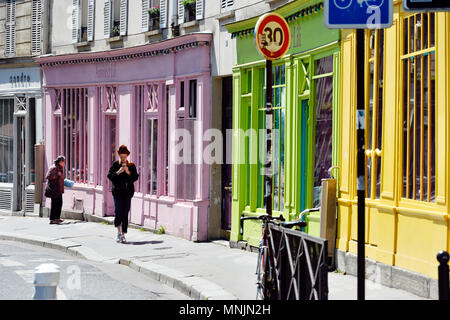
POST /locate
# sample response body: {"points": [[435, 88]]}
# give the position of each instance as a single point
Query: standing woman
{"points": [[122, 174], [55, 188]]}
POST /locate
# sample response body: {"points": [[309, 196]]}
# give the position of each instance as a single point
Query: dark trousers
{"points": [[122, 208], [55, 211]]}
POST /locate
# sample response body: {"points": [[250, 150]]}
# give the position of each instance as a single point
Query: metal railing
{"points": [[301, 265]]}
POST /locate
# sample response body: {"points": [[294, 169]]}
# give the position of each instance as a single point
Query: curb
{"points": [[193, 286]]}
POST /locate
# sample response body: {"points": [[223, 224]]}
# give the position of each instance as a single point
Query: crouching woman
{"points": [[122, 174]]}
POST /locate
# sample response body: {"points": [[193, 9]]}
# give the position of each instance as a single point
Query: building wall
{"points": [[299, 141], [399, 231]]}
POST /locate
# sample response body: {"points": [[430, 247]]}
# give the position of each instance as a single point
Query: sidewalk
{"points": [[200, 270]]}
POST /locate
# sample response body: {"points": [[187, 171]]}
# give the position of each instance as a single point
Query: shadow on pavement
{"points": [[139, 243]]}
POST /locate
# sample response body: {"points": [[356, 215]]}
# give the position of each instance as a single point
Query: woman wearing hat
{"points": [[122, 174], [55, 188]]}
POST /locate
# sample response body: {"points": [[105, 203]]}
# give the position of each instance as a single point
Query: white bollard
{"points": [[46, 279]]}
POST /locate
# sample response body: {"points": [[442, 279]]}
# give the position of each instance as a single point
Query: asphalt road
{"points": [[79, 279]]}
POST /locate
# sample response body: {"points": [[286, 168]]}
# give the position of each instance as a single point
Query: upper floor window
{"points": [[154, 14], [10, 32], [36, 27], [226, 5], [115, 18], [189, 10], [418, 63], [83, 16]]}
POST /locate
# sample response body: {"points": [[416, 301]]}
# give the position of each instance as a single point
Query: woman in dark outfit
{"points": [[122, 174], [55, 189]]}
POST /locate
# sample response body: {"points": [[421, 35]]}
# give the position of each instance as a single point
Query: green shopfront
{"points": [[306, 119]]}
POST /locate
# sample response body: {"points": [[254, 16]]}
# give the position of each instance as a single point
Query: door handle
{"points": [[227, 188]]}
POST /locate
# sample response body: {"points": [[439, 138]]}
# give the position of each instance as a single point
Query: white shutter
{"points": [[10, 43], [145, 15], [107, 18], [123, 17], [180, 12], [199, 8], [90, 20], [76, 30], [36, 29], [163, 14], [225, 4]]}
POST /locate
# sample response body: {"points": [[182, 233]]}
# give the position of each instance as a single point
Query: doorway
{"points": [[227, 124]]}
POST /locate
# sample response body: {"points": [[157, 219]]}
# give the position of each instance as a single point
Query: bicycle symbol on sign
{"points": [[344, 4]]}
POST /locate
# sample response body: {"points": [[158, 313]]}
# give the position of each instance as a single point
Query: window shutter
{"points": [[224, 4], [90, 20], [76, 30], [199, 8], [163, 14], [145, 15], [107, 17], [180, 12], [10, 45], [123, 17], [36, 23]]}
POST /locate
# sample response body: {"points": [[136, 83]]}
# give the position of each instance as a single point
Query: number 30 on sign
{"points": [[272, 36]]}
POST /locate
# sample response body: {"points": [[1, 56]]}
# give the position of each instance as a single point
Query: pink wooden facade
{"points": [[136, 96]]}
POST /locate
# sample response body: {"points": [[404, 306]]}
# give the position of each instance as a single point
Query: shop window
{"points": [[419, 107], [74, 137], [186, 119], [323, 97], [32, 138], [106, 130], [192, 98], [278, 144], [147, 139], [6, 140], [374, 80]]}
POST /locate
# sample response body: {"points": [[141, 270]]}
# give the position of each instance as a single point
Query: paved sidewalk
{"points": [[200, 270]]}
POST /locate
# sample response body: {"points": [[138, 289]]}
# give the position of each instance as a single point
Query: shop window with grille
{"points": [[6, 140], [148, 117], [278, 142], [323, 98], [374, 81], [73, 144], [106, 122], [418, 62], [187, 102]]}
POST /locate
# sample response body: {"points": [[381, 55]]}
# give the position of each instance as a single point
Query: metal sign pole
{"points": [[361, 173], [269, 125]]}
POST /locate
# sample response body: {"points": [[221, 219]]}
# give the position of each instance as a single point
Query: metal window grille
{"points": [[74, 120], [418, 64]]}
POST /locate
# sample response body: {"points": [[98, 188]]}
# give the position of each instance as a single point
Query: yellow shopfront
{"points": [[407, 142]]}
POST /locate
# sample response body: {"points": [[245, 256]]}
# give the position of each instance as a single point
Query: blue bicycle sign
{"points": [[358, 14]]}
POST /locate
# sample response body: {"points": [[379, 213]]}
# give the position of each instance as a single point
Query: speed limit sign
{"points": [[272, 36]]}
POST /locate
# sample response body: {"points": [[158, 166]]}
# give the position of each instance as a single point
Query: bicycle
{"points": [[344, 4], [266, 286]]}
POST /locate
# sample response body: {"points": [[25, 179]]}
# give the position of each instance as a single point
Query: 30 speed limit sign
{"points": [[272, 36]]}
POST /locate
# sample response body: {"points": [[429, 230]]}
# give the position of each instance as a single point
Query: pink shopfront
{"points": [[136, 96]]}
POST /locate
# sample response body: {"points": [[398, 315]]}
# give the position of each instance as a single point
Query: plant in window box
{"points": [[189, 10], [154, 12], [115, 31]]}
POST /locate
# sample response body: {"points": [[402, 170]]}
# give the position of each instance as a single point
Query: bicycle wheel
{"points": [[260, 274]]}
